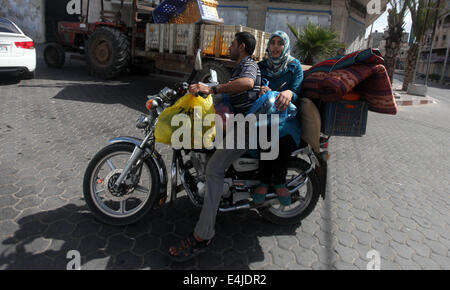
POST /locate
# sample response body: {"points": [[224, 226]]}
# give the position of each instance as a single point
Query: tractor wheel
{"points": [[108, 52], [54, 55]]}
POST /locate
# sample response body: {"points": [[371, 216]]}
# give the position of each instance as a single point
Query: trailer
{"points": [[116, 35]]}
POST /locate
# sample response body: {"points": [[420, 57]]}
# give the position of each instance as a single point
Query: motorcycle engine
{"points": [[199, 161]]}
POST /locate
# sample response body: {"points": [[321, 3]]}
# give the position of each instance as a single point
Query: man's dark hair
{"points": [[247, 39]]}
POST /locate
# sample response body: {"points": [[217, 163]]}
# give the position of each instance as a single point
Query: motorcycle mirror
{"points": [[198, 61], [213, 78]]}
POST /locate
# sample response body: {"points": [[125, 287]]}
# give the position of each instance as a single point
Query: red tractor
{"points": [[108, 43], [114, 35]]}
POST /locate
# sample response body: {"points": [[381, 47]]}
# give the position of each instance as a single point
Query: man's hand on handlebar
{"points": [[197, 89]]}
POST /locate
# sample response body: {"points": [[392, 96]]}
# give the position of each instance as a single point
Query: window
{"points": [[447, 21], [359, 7], [7, 26]]}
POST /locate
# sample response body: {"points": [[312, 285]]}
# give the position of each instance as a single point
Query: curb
{"points": [[415, 102]]}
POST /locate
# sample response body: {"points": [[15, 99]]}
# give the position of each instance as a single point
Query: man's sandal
{"points": [[189, 248], [260, 198]]}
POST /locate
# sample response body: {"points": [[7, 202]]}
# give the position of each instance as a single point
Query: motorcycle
{"points": [[128, 178]]}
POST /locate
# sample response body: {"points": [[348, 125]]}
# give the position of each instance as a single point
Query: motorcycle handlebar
{"points": [[203, 95]]}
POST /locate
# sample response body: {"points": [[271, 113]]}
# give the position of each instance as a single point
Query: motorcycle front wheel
{"points": [[128, 204], [303, 201]]}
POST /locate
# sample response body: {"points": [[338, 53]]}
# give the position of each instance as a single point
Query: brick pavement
{"points": [[388, 191]]}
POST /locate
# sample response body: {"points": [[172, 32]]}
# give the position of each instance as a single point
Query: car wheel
{"points": [[28, 75], [54, 55]]}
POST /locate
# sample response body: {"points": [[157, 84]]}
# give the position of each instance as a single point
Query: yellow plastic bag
{"points": [[194, 109]]}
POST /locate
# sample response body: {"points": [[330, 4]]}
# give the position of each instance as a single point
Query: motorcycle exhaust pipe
{"points": [[234, 208], [270, 198]]}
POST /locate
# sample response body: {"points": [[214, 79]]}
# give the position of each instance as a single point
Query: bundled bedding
{"points": [[361, 71]]}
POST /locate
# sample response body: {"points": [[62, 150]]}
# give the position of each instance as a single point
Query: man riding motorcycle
{"points": [[243, 88]]}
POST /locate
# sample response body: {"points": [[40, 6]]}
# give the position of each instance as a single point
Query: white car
{"points": [[17, 52]]}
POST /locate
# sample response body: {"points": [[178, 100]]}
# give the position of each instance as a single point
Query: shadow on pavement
{"points": [[75, 84], [44, 239], [8, 79], [132, 94]]}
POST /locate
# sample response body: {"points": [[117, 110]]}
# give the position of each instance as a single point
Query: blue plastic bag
{"points": [[266, 104]]}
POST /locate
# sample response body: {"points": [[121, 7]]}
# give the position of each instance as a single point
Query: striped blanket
{"points": [[361, 71], [368, 56]]}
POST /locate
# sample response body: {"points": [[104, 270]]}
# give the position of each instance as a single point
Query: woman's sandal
{"points": [[259, 198], [189, 248], [285, 200]]}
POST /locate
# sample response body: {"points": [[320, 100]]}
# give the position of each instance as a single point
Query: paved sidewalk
{"points": [[404, 99], [387, 191]]}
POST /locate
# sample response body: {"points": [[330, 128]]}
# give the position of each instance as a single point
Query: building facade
{"points": [[28, 14], [380, 42], [440, 55], [349, 18], [376, 39]]}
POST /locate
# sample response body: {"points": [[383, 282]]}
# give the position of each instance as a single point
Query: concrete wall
{"points": [[257, 9], [435, 68], [28, 15], [233, 15], [348, 23]]}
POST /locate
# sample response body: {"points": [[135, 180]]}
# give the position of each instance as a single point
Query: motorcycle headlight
{"points": [[142, 122], [150, 103]]}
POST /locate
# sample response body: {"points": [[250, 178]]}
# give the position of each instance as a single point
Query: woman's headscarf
{"points": [[279, 64]]}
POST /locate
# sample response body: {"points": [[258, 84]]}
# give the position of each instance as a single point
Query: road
{"points": [[387, 191]]}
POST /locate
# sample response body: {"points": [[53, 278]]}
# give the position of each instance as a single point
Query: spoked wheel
{"points": [[303, 201], [132, 200]]}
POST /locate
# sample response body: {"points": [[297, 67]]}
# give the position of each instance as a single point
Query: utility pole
{"points": [[444, 69], [421, 42], [370, 36], [432, 41]]}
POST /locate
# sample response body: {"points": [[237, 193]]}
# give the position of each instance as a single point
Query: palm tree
{"points": [[422, 17], [313, 42], [396, 23]]}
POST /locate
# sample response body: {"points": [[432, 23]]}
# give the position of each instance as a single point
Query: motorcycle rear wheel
{"points": [[304, 200], [102, 206]]}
